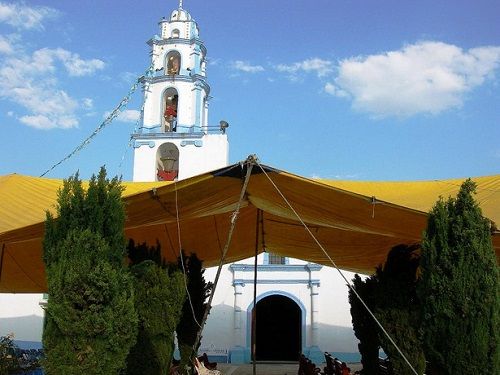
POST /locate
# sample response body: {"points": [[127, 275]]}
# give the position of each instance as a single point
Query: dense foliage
{"points": [[391, 295], [9, 363], [363, 324], [159, 298], [459, 289], [91, 321], [193, 309], [398, 310]]}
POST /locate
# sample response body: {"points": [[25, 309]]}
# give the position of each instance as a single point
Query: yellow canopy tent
{"points": [[356, 222]]}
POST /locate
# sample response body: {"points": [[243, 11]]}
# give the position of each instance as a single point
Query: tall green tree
{"points": [[459, 288], [159, 298], [193, 309], [398, 309], [91, 321], [364, 326]]}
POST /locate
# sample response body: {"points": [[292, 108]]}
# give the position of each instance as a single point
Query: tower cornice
{"points": [[195, 78]]}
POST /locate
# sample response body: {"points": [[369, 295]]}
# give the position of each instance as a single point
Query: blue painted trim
{"points": [[193, 78], [275, 267], [193, 143], [197, 107], [138, 144], [277, 281], [169, 135], [161, 42], [280, 293], [150, 128]]}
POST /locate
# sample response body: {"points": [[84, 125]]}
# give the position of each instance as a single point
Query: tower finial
{"points": [[180, 4]]}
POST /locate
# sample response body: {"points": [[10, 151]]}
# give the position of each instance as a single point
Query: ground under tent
{"points": [[355, 223]]}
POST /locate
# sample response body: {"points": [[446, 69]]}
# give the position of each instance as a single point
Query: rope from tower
{"points": [[140, 119], [116, 111], [349, 284]]}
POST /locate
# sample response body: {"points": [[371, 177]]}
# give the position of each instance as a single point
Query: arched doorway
{"points": [[279, 326]]}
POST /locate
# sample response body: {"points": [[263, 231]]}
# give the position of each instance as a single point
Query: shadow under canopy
{"points": [[355, 222]]}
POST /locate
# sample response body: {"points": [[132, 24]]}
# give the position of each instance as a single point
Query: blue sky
{"points": [[365, 90]]}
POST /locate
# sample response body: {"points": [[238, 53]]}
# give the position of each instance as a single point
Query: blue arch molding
{"points": [[303, 313]]}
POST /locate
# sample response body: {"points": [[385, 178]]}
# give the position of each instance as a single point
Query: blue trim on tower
{"points": [[138, 144]]}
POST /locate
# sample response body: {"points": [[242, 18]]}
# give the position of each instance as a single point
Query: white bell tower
{"points": [[175, 140]]}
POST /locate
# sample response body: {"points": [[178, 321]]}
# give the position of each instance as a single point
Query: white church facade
{"points": [[301, 307]]}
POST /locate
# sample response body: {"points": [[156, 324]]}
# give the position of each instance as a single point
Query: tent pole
{"points": [[254, 310], [249, 165]]}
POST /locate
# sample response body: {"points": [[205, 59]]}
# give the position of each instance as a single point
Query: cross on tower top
{"points": [[180, 4]]}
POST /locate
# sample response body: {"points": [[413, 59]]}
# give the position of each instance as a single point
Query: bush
{"points": [[364, 326], [398, 309], [159, 298], [188, 326], [9, 363]]}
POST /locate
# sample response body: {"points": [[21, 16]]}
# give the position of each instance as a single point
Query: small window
{"points": [[276, 259], [176, 33]]}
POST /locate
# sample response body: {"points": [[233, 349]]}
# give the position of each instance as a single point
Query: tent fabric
{"points": [[357, 223]]}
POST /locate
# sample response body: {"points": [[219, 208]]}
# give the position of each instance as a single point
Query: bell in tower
{"points": [[175, 140]]}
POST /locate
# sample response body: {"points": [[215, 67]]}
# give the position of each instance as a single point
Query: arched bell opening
{"points": [[167, 162], [170, 106], [173, 63]]}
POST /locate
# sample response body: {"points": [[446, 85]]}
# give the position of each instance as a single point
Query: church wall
{"points": [[228, 329]]}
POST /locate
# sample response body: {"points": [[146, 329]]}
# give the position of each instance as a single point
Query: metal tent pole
{"points": [[254, 310]]}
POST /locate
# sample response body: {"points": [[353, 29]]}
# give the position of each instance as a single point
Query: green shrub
{"points": [[159, 298], [459, 288], [188, 326], [91, 321]]}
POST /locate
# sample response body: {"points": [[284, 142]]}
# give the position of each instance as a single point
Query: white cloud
{"points": [[5, 45], [44, 59], [87, 103], [22, 16], [246, 67], [128, 115], [32, 82], [426, 77], [315, 65]]}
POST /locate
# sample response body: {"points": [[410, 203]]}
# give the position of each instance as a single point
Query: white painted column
{"points": [[314, 314], [238, 334]]}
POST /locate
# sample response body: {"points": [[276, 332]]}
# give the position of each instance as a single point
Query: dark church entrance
{"points": [[279, 325]]}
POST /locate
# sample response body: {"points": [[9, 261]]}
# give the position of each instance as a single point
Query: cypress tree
{"points": [[398, 309], [159, 298], [91, 321], [195, 304], [363, 324], [459, 288]]}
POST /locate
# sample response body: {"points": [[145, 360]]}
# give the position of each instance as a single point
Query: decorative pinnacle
{"points": [[180, 4]]}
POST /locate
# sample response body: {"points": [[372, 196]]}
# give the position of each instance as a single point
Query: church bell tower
{"points": [[175, 140]]}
